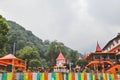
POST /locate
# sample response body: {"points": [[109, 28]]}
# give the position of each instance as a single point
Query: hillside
{"points": [[22, 37], [48, 51]]}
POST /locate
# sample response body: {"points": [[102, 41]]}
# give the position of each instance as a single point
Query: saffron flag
{"points": [[73, 76], [61, 77], [46, 76], [30, 75]]}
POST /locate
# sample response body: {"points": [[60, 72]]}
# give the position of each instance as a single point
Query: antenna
{"points": [[14, 48]]}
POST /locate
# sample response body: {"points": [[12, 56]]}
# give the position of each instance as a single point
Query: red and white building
{"points": [[61, 60], [106, 59], [113, 45]]}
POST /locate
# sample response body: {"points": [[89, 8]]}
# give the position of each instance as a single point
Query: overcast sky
{"points": [[79, 24]]}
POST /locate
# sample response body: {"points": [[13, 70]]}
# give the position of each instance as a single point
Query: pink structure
{"points": [[60, 61]]}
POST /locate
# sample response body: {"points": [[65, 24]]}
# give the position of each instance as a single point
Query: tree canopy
{"points": [[4, 28], [72, 57], [30, 54], [22, 37]]}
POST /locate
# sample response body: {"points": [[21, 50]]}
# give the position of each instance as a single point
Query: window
{"points": [[118, 50], [113, 44], [117, 41], [116, 69], [97, 56]]}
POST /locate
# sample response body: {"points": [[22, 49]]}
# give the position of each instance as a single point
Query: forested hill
{"points": [[22, 37]]}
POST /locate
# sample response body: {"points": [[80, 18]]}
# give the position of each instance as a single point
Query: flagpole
{"points": [[14, 48]]}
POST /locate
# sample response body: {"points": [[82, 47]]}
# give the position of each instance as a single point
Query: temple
{"points": [[11, 63], [106, 59], [60, 63]]}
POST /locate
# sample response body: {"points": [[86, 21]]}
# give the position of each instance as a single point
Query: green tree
{"points": [[72, 57], [4, 28], [53, 51], [44, 63], [82, 62], [30, 54], [34, 63]]}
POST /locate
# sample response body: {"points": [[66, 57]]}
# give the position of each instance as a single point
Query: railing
{"points": [[59, 76], [61, 70]]}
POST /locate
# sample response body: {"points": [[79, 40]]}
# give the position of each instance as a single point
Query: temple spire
{"points": [[60, 56], [98, 48]]}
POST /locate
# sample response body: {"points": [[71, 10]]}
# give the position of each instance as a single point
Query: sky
{"points": [[79, 24]]}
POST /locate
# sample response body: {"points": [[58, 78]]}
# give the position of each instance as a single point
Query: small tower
{"points": [[98, 48], [60, 61]]}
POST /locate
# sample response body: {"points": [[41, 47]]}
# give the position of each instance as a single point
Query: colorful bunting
{"points": [[59, 76]]}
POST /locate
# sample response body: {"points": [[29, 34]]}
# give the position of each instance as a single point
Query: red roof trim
{"points": [[60, 56], [118, 36]]}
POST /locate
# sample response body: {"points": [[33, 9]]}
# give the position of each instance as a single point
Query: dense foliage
{"points": [[31, 55], [73, 57], [4, 28], [82, 62], [22, 38]]}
